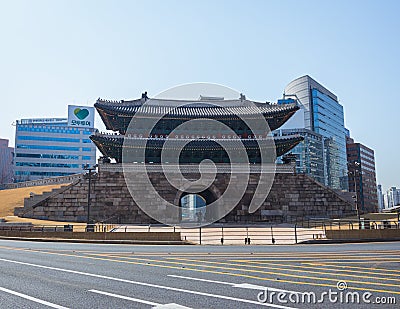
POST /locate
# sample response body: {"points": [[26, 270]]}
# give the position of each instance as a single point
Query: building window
{"points": [[49, 139], [22, 146]]}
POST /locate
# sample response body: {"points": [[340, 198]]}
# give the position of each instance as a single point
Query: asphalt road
{"points": [[65, 275]]}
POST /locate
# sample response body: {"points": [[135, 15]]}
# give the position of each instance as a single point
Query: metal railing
{"points": [[97, 228], [225, 234], [346, 224], [252, 235]]}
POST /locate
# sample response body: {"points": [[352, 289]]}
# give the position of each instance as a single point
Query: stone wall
{"points": [[292, 197], [44, 182]]}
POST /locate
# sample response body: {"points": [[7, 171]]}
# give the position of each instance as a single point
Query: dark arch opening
{"points": [[192, 208]]}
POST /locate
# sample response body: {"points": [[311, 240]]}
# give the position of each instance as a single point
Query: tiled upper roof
{"points": [[198, 109]]}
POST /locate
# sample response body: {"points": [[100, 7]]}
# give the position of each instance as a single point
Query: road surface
{"points": [[62, 275]]}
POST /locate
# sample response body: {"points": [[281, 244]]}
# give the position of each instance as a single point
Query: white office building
{"points": [[392, 197], [50, 147], [6, 162]]}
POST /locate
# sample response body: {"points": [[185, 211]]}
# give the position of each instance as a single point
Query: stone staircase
{"points": [[31, 202]]}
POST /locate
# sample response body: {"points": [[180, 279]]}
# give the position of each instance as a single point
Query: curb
{"points": [[95, 241], [344, 241]]}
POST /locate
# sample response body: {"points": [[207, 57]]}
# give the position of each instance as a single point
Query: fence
{"points": [[224, 234], [306, 230], [355, 224], [235, 235], [23, 227], [251, 235]]}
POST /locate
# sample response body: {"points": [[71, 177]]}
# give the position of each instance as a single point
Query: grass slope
{"points": [[11, 198]]}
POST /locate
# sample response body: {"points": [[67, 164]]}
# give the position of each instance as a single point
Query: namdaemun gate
{"points": [[153, 135], [201, 139]]}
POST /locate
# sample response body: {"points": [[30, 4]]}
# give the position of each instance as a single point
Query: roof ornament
{"points": [[242, 97], [144, 96]]}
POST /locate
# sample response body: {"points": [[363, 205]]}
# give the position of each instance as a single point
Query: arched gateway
{"points": [[193, 206]]}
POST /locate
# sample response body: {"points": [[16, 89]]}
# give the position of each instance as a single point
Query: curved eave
{"points": [[111, 145], [287, 145], [118, 120]]}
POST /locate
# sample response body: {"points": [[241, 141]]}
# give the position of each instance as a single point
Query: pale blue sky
{"points": [[54, 53]]}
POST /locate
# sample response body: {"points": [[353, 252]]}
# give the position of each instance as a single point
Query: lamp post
{"points": [[90, 170], [356, 165], [398, 217]]}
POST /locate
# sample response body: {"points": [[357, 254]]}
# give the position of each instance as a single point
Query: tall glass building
{"points": [[321, 113], [51, 147], [362, 178], [308, 152], [193, 208]]}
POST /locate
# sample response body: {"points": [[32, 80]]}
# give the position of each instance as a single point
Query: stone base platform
{"points": [[292, 198]]}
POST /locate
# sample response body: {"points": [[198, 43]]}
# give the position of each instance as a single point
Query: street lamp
{"points": [[356, 165], [90, 170]]}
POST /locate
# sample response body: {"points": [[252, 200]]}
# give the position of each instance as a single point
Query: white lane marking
{"points": [[148, 284], [260, 287], [34, 299], [200, 279], [236, 285], [171, 306], [155, 305], [126, 297]]}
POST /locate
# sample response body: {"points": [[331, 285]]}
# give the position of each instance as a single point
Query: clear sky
{"points": [[55, 53]]}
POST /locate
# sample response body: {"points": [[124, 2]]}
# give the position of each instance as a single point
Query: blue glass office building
{"points": [[52, 147], [320, 113], [310, 153]]}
